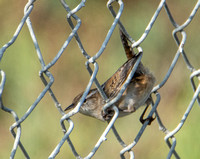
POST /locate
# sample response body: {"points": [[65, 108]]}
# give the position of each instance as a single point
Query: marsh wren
{"points": [[136, 94]]}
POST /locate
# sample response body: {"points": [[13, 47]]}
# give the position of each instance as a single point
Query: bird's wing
{"points": [[113, 85]]}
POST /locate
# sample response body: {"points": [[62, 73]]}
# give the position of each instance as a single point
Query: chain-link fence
{"points": [[116, 8]]}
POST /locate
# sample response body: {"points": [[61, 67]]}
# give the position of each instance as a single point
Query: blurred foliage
{"points": [[41, 131]]}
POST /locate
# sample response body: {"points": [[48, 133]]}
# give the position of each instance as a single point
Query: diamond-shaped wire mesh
{"points": [[75, 10]]}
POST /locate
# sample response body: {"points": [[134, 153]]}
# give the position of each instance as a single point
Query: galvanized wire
{"points": [[45, 76]]}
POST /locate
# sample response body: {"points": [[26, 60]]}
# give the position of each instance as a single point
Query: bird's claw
{"points": [[150, 119]]}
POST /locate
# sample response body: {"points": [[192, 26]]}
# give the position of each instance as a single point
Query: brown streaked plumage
{"points": [[136, 94]]}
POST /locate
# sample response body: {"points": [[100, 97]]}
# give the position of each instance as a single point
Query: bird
{"points": [[135, 95]]}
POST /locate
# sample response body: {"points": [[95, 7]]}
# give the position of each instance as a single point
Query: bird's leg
{"points": [[150, 119], [107, 114]]}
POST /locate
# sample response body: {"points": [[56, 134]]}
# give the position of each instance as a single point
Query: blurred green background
{"points": [[41, 131]]}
